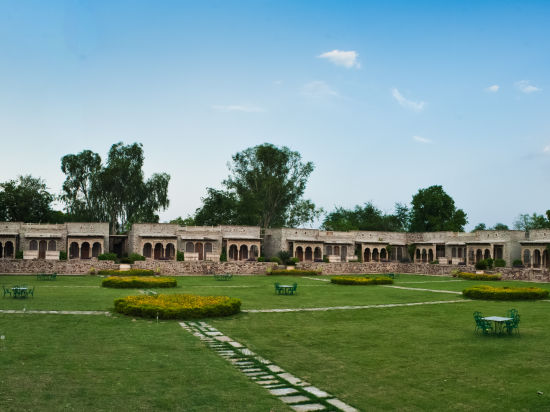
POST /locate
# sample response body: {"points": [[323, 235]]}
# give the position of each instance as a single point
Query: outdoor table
{"points": [[285, 289], [19, 291], [498, 322]]}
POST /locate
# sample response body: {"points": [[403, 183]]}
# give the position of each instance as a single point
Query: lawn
{"points": [[423, 357]]}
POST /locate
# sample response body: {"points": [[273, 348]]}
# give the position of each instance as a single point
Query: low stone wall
{"points": [[205, 267], [75, 266]]}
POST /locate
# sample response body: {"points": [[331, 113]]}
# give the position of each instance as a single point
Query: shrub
{"points": [[500, 263], [223, 255], [125, 260], [481, 264], [504, 293], [490, 262], [517, 263], [62, 255], [284, 256], [276, 259], [261, 259], [434, 262], [361, 280], [297, 272], [132, 282], [107, 256], [19, 254], [292, 261], [135, 257], [92, 271], [476, 276], [180, 256], [455, 273], [131, 272], [178, 306], [325, 259]]}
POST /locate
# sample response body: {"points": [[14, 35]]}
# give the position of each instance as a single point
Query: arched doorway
{"points": [[399, 253], [536, 258], [233, 252], [207, 249], [479, 255], [73, 250], [383, 254], [430, 255], [545, 258], [309, 254], [527, 257], [343, 253], [96, 249], [9, 250], [1, 250], [417, 255], [317, 254], [486, 254], [243, 252], [254, 252], [336, 250], [300, 253], [189, 247], [147, 249], [42, 247], [170, 251], [159, 251], [329, 250], [424, 256], [375, 256], [366, 255], [52, 246], [199, 250], [85, 251]]}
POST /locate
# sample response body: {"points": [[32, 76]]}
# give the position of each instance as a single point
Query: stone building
{"points": [[534, 252]]}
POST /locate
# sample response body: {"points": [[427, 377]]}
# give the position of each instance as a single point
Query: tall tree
{"points": [[26, 199], [529, 222], [265, 187], [434, 210], [115, 192], [367, 217]]}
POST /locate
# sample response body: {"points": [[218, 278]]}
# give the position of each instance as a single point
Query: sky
{"points": [[385, 97]]}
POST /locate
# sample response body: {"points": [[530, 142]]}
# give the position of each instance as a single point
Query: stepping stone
{"points": [[306, 407], [316, 391], [251, 370], [294, 399], [274, 368], [214, 333], [223, 338], [254, 373], [235, 344], [247, 352], [341, 405], [274, 386], [293, 380], [268, 382], [282, 391]]}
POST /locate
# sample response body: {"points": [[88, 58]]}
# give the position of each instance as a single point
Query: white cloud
{"points": [[318, 89], [347, 59], [238, 108], [546, 149], [409, 104], [493, 89], [525, 87], [421, 139]]}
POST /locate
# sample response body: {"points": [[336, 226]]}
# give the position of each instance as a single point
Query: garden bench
{"points": [[285, 289]]}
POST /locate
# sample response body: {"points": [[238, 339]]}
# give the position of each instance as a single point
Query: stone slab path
{"points": [[423, 290], [56, 312], [296, 393], [319, 279]]}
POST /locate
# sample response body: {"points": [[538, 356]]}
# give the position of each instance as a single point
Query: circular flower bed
{"points": [[133, 282], [361, 280], [178, 306], [504, 293]]}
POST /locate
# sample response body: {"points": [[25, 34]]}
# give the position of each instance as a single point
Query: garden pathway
{"points": [[424, 290], [57, 312]]}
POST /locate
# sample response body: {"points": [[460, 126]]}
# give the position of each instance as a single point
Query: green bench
{"points": [[46, 276], [286, 289], [223, 276]]}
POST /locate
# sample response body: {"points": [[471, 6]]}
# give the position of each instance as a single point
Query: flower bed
{"points": [[295, 272], [504, 293], [132, 282], [478, 276], [131, 272], [361, 280], [178, 306]]}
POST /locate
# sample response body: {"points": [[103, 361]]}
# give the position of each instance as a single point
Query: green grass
{"points": [[407, 358]]}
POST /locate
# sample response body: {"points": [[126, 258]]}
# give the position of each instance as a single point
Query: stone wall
{"points": [[74, 266], [205, 267]]}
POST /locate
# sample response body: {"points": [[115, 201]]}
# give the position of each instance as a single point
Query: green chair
{"points": [[278, 289], [30, 292], [294, 287], [481, 324], [513, 324], [6, 291]]}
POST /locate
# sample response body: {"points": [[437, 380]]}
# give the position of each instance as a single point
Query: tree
{"points": [[480, 226], [367, 217], [535, 221], [265, 187], [26, 199], [500, 226], [434, 210], [188, 221], [115, 192]]}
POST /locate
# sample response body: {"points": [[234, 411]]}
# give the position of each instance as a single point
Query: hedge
{"points": [[504, 293], [132, 282], [296, 272], [361, 280], [131, 272], [178, 306], [478, 276], [108, 256]]}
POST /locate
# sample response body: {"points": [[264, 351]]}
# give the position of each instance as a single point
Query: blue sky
{"points": [[384, 97]]}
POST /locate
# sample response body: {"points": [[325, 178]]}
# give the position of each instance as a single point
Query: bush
{"points": [[504, 293], [434, 262], [135, 257], [62, 255], [284, 256], [517, 263], [178, 306], [223, 255], [125, 260], [292, 261], [361, 280], [180, 256], [108, 256], [133, 282], [481, 265], [500, 263], [261, 259], [297, 272], [19, 254], [131, 272], [490, 262], [476, 276], [325, 259], [276, 260]]}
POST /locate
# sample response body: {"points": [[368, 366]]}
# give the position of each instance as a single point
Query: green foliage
{"points": [[188, 221], [535, 221], [261, 259], [500, 226], [434, 262], [367, 217], [292, 261], [180, 256], [134, 282], [114, 192], [296, 272], [433, 210], [108, 256], [479, 276], [134, 257], [131, 272], [517, 263], [504, 293], [178, 306], [481, 264], [19, 254], [480, 226], [26, 199], [361, 280], [276, 260], [265, 187], [62, 255], [284, 257], [223, 255], [411, 249], [325, 259], [500, 263]]}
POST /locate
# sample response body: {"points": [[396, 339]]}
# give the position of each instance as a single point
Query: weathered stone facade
{"points": [[73, 267]]}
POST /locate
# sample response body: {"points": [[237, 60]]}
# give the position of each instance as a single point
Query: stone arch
{"points": [[52, 246], [545, 258], [430, 255], [147, 250], [399, 253], [418, 258], [336, 250], [33, 245], [254, 253], [317, 254], [189, 247], [96, 249], [383, 254], [42, 247], [460, 252], [207, 248], [479, 255], [1, 251], [73, 250], [243, 252], [375, 255], [329, 250], [343, 253], [158, 252], [233, 253], [85, 251], [200, 250], [424, 256], [366, 255], [308, 254], [536, 258], [300, 253], [526, 257], [170, 252], [486, 254], [453, 252], [9, 250]]}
